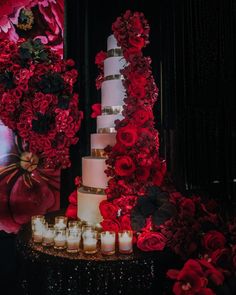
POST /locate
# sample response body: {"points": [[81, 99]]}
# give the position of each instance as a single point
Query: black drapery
{"points": [[192, 45]]}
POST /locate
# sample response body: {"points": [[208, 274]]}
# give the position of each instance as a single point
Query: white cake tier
{"points": [[93, 174], [112, 43], [113, 93], [113, 65], [102, 140], [107, 121], [88, 206]]}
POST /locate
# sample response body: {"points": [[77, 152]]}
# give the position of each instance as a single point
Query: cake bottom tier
{"points": [[88, 206]]}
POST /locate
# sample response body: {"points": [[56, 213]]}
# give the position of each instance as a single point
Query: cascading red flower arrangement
{"points": [[133, 163], [37, 100]]}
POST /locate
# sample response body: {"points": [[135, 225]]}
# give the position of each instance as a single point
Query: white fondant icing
{"points": [[101, 140], [88, 206], [93, 174], [113, 93], [107, 121], [112, 42], [113, 65]]}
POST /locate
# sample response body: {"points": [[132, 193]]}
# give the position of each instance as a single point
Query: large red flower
{"points": [[127, 135], [213, 240], [124, 166], [110, 225], [151, 241], [108, 210]]}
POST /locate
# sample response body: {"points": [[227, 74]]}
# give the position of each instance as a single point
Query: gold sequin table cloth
{"points": [[46, 271]]}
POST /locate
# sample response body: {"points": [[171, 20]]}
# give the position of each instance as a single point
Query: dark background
{"points": [[192, 45]]}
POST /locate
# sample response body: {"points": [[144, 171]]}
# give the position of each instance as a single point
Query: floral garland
{"points": [[37, 100], [133, 165]]}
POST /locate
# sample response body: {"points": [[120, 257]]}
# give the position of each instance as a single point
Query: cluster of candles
{"points": [[75, 236]]}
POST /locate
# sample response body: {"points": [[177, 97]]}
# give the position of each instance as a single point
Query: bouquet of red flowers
{"points": [[37, 100]]}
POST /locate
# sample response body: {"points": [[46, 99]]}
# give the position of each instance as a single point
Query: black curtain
{"points": [[192, 45]]}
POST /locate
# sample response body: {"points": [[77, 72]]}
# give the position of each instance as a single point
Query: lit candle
{"points": [[37, 223], [60, 222], [108, 239], [125, 241], [60, 239], [48, 235], [73, 240], [90, 242]]}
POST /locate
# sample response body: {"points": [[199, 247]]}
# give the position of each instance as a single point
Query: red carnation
{"points": [[124, 166], [151, 241], [110, 225], [213, 240], [108, 210], [127, 135]]}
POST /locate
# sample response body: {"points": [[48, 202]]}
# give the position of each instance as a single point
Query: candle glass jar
{"points": [[87, 227], [125, 241], [74, 224], [48, 235], [90, 241], [37, 220], [61, 222], [108, 242], [37, 225], [60, 238], [73, 238]]}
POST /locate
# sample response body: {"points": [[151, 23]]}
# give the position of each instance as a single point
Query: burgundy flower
{"points": [[99, 59], [73, 198], [213, 240], [125, 222], [71, 211], [151, 241], [142, 173], [142, 116], [127, 135], [124, 166], [96, 110], [187, 208], [222, 258], [110, 225], [108, 210]]}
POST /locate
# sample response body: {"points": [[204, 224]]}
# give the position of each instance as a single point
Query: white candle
{"points": [[37, 236], [73, 244], [48, 237], [108, 240], [60, 222], [90, 245], [60, 239], [125, 242]]}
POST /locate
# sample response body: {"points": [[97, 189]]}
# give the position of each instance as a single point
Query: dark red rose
{"points": [[99, 59], [213, 240], [108, 210], [222, 258], [71, 211], [142, 173], [127, 135], [138, 92], [137, 80], [137, 25], [151, 241], [110, 225], [187, 208], [137, 42], [126, 203], [124, 166], [78, 181], [131, 52], [96, 108], [142, 116], [125, 222]]}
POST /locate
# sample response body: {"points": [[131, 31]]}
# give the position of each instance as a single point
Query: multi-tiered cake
{"points": [[94, 179]]}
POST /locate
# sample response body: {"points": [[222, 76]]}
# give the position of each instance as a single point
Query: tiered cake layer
{"points": [[113, 93], [113, 65], [101, 140], [107, 122]]}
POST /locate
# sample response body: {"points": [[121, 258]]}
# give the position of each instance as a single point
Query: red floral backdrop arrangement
{"points": [[38, 103], [42, 19]]}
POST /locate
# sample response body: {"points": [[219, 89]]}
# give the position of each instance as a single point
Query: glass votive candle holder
{"points": [[73, 238], [125, 241], [87, 227], [90, 241], [37, 221], [37, 233], [108, 242], [74, 224], [61, 222], [48, 235], [60, 238]]}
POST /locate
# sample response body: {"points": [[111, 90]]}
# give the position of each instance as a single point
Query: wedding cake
{"points": [[94, 179]]}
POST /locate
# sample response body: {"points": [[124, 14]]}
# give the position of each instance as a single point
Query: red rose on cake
{"points": [[151, 241], [141, 116], [108, 210], [127, 135], [142, 173], [124, 166]]}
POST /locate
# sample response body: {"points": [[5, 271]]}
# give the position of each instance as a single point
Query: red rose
{"points": [[99, 59], [71, 211], [138, 92], [137, 80], [213, 240], [108, 210], [142, 116], [137, 42], [142, 173], [222, 258], [151, 241], [125, 222], [124, 166], [126, 203], [187, 208], [96, 108], [137, 24], [73, 198], [211, 272], [110, 225], [127, 135]]}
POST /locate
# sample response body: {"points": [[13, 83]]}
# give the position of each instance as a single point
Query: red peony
{"points": [[125, 222], [108, 210], [124, 166], [127, 135], [110, 225], [213, 240], [151, 241]]}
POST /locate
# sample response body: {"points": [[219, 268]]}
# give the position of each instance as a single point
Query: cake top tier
{"points": [[112, 43]]}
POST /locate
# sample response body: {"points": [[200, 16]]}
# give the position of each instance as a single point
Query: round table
{"points": [[45, 271]]}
